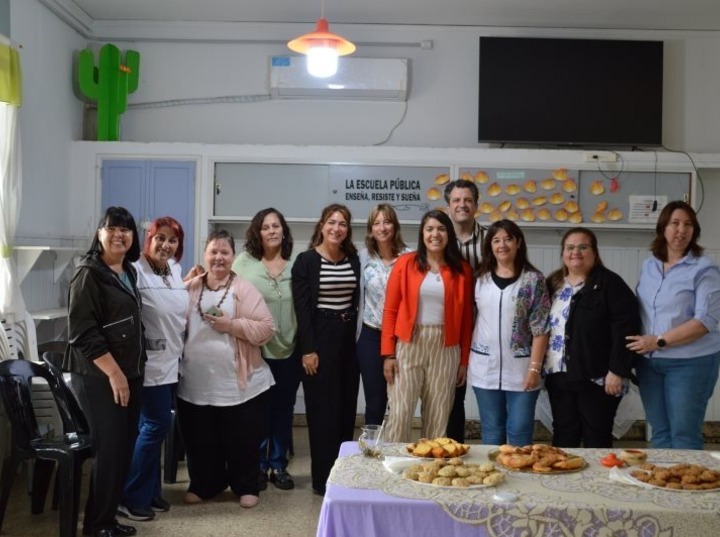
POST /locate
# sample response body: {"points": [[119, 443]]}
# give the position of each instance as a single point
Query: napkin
{"points": [[715, 454], [397, 464], [622, 476]]}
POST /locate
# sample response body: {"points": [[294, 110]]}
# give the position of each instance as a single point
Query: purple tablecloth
{"points": [[364, 499]]}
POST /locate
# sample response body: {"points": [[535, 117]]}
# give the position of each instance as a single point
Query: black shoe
{"points": [[123, 530], [262, 479], [282, 480], [160, 505], [319, 492], [136, 513], [119, 530]]}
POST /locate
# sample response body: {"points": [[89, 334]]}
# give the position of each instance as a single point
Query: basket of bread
{"points": [[439, 448], [538, 458]]}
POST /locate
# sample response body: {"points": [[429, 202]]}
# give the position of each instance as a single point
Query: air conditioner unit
{"points": [[357, 79]]}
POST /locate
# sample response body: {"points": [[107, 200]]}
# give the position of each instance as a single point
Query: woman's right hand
{"points": [[390, 370], [120, 387], [310, 363], [197, 270]]}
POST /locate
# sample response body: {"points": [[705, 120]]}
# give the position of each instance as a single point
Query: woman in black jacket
{"points": [[106, 355], [325, 286], [587, 367]]}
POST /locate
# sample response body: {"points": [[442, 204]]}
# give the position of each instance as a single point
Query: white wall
{"points": [[50, 118]]}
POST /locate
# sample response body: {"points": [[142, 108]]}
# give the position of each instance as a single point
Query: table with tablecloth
{"points": [[364, 499]]}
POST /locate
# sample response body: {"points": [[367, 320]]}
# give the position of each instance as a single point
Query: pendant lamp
{"points": [[322, 48]]}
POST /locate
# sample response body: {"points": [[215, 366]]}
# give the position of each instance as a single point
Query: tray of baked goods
{"points": [[537, 459], [675, 477], [438, 448], [450, 473]]}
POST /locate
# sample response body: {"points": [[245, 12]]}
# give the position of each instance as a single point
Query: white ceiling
{"points": [[639, 14]]}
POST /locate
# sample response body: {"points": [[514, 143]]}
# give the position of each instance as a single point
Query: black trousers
{"points": [[331, 395], [114, 429], [456, 420], [582, 412], [222, 444]]}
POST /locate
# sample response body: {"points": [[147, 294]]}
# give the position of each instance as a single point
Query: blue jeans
{"points": [[143, 482], [506, 417], [675, 393], [373, 379], [274, 448]]}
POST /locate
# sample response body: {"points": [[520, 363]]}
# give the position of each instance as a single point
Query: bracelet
{"points": [[389, 358], [536, 363], [534, 370]]}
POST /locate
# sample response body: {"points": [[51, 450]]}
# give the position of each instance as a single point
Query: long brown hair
{"points": [[453, 257], [556, 278], [398, 244], [659, 243], [347, 245]]}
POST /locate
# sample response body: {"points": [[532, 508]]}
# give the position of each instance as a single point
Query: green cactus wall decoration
{"points": [[108, 85]]}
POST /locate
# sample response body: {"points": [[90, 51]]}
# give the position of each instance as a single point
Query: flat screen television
{"points": [[570, 91]]}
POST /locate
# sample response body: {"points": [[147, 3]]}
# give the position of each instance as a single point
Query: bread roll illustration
{"points": [[561, 215], [466, 176], [598, 218], [560, 174], [597, 188], [569, 186], [503, 206], [434, 194], [530, 186], [540, 200], [442, 179], [513, 215], [601, 207], [575, 218], [556, 198], [512, 190], [527, 215], [494, 190], [495, 216], [486, 207], [571, 206], [543, 214], [548, 184], [615, 214], [481, 177]]}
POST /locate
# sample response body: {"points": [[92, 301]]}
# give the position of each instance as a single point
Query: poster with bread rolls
{"points": [[574, 197]]}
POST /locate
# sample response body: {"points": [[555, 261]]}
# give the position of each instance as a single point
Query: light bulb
{"points": [[322, 62]]}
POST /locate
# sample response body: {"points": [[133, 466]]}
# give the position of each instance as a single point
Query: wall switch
{"points": [[600, 156]]}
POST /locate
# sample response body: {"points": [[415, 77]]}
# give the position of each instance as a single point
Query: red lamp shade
{"points": [[322, 37]]}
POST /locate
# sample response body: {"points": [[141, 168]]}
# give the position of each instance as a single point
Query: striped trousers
{"points": [[427, 371]]}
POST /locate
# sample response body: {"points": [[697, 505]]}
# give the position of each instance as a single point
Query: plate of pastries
{"points": [[451, 473], [537, 459], [438, 448], [677, 477]]}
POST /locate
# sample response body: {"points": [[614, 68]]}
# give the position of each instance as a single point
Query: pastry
{"points": [[561, 215], [560, 174], [571, 206], [442, 179], [548, 184], [615, 214], [597, 188], [486, 207], [434, 194], [512, 190], [522, 203], [575, 218], [494, 190], [543, 214], [556, 198], [504, 206], [569, 186], [527, 215], [481, 177], [530, 186], [540, 200]]}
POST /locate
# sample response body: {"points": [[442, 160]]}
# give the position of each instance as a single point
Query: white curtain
{"points": [[11, 300]]}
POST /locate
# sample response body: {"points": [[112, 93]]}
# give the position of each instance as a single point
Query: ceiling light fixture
{"points": [[322, 48]]}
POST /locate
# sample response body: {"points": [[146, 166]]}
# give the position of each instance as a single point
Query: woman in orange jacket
{"points": [[426, 330]]}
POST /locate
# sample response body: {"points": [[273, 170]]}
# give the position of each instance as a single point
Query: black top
{"points": [[601, 315], [306, 290], [104, 316]]}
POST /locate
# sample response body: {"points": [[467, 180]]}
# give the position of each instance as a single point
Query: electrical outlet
{"points": [[600, 156]]}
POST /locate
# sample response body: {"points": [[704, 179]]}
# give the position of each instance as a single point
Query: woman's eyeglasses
{"points": [[582, 248]]}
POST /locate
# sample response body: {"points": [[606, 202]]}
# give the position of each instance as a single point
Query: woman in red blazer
{"points": [[426, 330]]}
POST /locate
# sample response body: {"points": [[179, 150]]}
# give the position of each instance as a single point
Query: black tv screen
{"points": [[570, 91]]}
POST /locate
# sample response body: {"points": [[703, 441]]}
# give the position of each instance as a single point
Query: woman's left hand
{"points": [[642, 344], [219, 323], [613, 384]]}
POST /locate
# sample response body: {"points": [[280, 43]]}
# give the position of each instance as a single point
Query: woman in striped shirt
{"points": [[325, 292]]}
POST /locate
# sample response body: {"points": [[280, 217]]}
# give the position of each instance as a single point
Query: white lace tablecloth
{"points": [[364, 499]]}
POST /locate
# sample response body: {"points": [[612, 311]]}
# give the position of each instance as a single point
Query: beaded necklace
{"points": [[205, 286], [164, 273]]}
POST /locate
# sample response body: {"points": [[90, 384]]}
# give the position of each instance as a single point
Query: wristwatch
{"points": [[661, 342]]}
